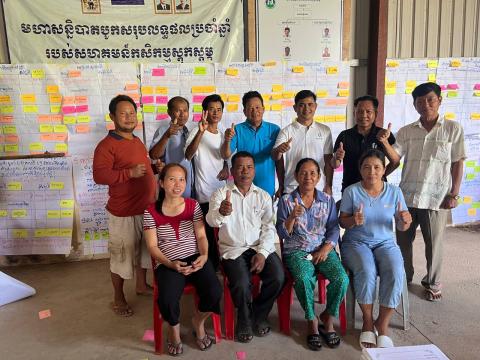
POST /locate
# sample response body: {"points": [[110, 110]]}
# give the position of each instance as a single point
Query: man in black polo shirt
{"points": [[351, 143]]}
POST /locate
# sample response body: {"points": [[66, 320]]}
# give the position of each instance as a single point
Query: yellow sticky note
{"points": [[455, 63], [66, 213], [288, 94], [332, 70], [64, 232], [161, 90], [162, 109], [13, 148], [52, 89], [392, 63], [19, 233], [390, 84], [472, 212], [19, 213], [322, 93], [269, 63], [87, 236], [7, 109], [36, 146], [467, 199], [266, 97], [53, 214], [55, 109], [432, 77], [139, 116], [148, 108], [197, 108], [69, 120], [5, 99], [40, 233], [268, 107], [61, 147], [55, 98], [147, 90], [277, 87], [232, 107], [14, 186], [233, 98], [199, 70], [408, 90], [319, 118], [232, 72], [410, 83], [56, 185], [329, 118], [45, 128], [452, 94], [276, 96], [97, 235], [298, 69], [476, 93], [28, 98], [450, 116], [390, 91], [3, 213], [38, 74], [276, 107], [9, 129], [340, 118], [67, 203], [203, 89], [30, 109], [432, 64], [83, 118], [475, 116], [343, 92], [105, 234], [60, 128]]}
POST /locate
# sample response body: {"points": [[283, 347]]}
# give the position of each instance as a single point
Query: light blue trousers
{"points": [[366, 262]]}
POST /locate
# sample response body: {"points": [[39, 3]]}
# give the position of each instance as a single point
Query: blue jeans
{"points": [[366, 262]]}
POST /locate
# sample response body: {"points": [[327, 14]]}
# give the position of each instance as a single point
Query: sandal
{"points": [[314, 342], [121, 310], [331, 338], [367, 337], [205, 343], [244, 334], [433, 295], [262, 329], [174, 349]]}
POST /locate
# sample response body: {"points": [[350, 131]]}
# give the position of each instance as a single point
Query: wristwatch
{"points": [[455, 197]]}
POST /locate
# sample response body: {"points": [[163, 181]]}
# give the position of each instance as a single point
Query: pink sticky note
{"points": [[161, 99], [158, 72], [149, 335], [198, 98], [44, 314], [69, 109], [241, 355], [162, 117], [339, 169], [452, 86], [476, 87], [147, 99], [443, 87], [197, 117], [82, 108]]}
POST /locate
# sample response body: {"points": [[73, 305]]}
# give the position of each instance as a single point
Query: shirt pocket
{"points": [[442, 151]]}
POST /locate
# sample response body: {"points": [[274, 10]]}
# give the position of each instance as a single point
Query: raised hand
{"points": [[159, 165], [384, 134], [226, 206], [230, 133], [340, 153], [173, 129], [203, 123], [358, 216], [138, 170], [285, 146], [297, 210], [404, 218]]}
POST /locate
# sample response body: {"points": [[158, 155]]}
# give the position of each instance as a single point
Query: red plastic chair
{"points": [[158, 321]]}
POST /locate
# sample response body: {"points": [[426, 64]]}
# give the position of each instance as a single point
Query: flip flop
{"points": [[433, 295], [331, 338], [367, 337], [174, 349], [383, 341], [124, 311], [313, 342], [262, 329], [244, 334], [147, 292]]}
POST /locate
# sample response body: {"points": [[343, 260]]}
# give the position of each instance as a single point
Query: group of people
{"points": [[201, 221]]}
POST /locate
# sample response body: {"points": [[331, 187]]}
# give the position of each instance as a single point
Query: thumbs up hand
{"points": [[230, 133], [384, 134], [297, 210], [226, 206], [358, 216], [403, 218], [340, 153], [173, 129], [285, 146]]}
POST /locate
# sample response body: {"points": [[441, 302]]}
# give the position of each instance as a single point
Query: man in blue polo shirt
{"points": [[256, 137]]}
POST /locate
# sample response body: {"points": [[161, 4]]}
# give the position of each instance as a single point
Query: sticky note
{"points": [[475, 87], [467, 199], [3, 213], [287, 103], [288, 94], [147, 99], [161, 99], [81, 99], [432, 77], [9, 129], [139, 116], [83, 129], [55, 98], [198, 98], [343, 92], [332, 70], [476, 93], [322, 93], [44, 314], [200, 70], [232, 72], [232, 107], [472, 212], [47, 137], [450, 116], [476, 205], [53, 214], [298, 69], [475, 116], [203, 89], [60, 128], [269, 63], [56, 185], [36, 146], [408, 90], [162, 109], [392, 63], [19, 233], [147, 90], [40, 233], [390, 91], [74, 73], [161, 90], [340, 118], [28, 98], [5, 99], [329, 118], [87, 236], [66, 213], [69, 109], [148, 335], [477, 169], [96, 235], [276, 96], [276, 107], [197, 108], [162, 117], [452, 87], [105, 234], [12, 139], [81, 108], [432, 64], [14, 186], [19, 213], [265, 97], [66, 203], [148, 108], [108, 126], [158, 72], [267, 107], [197, 117], [83, 119], [452, 94], [45, 128], [55, 109], [38, 73], [277, 87], [131, 86], [470, 176], [319, 118], [13, 148], [455, 63], [61, 148], [390, 84], [410, 83], [7, 109], [470, 163], [233, 98], [30, 109]]}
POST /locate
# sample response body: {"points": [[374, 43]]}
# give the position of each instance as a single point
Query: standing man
{"points": [[168, 142], [305, 138], [434, 152], [244, 215], [365, 135], [256, 137], [121, 162]]}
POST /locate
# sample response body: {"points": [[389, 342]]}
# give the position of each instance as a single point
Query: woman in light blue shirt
{"points": [[369, 248]]}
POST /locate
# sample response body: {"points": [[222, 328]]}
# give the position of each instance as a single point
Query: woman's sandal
{"points": [[433, 295], [262, 329], [174, 349], [204, 343], [244, 334], [314, 342], [331, 338]]}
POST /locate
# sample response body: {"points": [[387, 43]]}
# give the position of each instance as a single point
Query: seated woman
{"points": [[369, 248], [176, 239], [307, 223]]}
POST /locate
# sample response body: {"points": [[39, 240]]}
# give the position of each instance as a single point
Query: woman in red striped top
{"points": [[176, 239]]}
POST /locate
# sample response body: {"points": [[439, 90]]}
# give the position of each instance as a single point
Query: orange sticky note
{"points": [[44, 314], [232, 107], [5, 99], [82, 99], [83, 129], [147, 90], [74, 73], [298, 69], [132, 86], [343, 85], [47, 137], [52, 89], [11, 139], [322, 93], [69, 100], [160, 90], [28, 98], [332, 70], [55, 98], [232, 72]]}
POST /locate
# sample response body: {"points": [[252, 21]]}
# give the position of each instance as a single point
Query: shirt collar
{"points": [[247, 122], [113, 134], [440, 121], [233, 187], [319, 195]]}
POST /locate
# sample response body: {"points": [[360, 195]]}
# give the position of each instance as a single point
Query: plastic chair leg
{"points": [[284, 302], [322, 290], [405, 306], [157, 327], [229, 312], [343, 318]]}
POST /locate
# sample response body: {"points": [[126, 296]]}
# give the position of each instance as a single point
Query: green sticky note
{"points": [[200, 70], [476, 169], [88, 237], [470, 163], [452, 94], [162, 109], [470, 176], [197, 108], [148, 108], [476, 205]]}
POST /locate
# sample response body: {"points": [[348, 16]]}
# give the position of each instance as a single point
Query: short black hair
{"points": [[371, 153], [371, 98], [303, 94], [287, 28], [174, 99], [112, 107], [250, 95], [212, 98], [425, 88], [305, 160], [241, 154]]}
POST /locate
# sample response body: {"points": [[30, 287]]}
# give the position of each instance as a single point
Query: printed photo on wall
{"points": [[183, 6], [91, 6], [163, 6]]}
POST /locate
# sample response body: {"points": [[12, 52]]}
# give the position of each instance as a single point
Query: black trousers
{"points": [[212, 242], [239, 279], [171, 284]]}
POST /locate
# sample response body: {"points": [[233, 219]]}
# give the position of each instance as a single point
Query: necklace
{"points": [[372, 198]]}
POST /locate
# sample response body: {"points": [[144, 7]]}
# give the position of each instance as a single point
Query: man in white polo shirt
{"points": [[305, 138], [434, 151]]}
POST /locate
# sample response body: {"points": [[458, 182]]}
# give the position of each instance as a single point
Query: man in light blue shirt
{"points": [[256, 137]]}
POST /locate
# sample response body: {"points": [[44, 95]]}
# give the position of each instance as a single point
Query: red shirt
{"points": [[113, 158]]}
